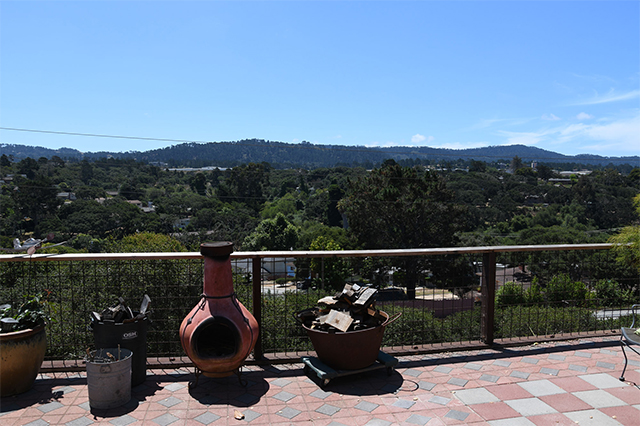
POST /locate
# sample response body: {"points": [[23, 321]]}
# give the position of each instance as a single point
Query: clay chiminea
{"points": [[219, 333]]}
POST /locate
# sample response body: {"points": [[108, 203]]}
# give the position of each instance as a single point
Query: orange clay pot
{"points": [[21, 355]]}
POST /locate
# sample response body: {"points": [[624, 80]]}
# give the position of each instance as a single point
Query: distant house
{"points": [[560, 180], [182, 223], [532, 199], [149, 208], [271, 268], [575, 172], [67, 196]]}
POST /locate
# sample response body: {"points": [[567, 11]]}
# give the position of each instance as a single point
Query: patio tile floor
{"points": [[501, 387]]}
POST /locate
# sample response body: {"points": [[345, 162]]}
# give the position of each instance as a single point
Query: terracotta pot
{"points": [[21, 355], [219, 332]]}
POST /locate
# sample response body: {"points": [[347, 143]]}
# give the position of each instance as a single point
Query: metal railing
{"points": [[457, 297]]}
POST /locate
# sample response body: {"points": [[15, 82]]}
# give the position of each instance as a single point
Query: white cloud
{"points": [[550, 117], [595, 77], [483, 124], [523, 138], [621, 136], [418, 139], [377, 144], [489, 122], [622, 131], [584, 116], [460, 145], [612, 96]]}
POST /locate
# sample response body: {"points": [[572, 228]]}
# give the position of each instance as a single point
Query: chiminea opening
{"points": [[216, 337]]}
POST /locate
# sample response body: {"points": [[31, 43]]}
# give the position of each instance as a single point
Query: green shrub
{"points": [[520, 321], [414, 327], [534, 294], [510, 294], [562, 289], [608, 292], [461, 326]]}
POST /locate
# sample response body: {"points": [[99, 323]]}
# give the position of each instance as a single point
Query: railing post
{"points": [[488, 297], [256, 278]]}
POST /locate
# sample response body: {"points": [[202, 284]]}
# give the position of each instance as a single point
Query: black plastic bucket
{"points": [[132, 336]]}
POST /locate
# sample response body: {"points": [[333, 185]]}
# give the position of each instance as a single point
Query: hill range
{"points": [[309, 156]]}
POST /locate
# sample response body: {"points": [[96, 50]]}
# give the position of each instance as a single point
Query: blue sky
{"points": [[562, 76]]}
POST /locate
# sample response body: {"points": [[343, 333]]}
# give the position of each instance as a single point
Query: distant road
{"points": [[612, 313]]}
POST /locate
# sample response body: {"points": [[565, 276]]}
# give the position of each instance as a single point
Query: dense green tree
{"points": [[9, 216], [545, 172], [311, 230], [4, 161], [90, 192], [627, 242], [332, 272], [28, 167], [198, 183], [286, 205], [334, 217], [146, 242], [86, 172], [516, 163], [247, 184], [272, 234], [57, 161], [395, 207], [86, 217], [227, 222], [477, 166], [35, 199]]}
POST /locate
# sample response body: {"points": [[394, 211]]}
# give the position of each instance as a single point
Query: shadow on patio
{"points": [[574, 382]]}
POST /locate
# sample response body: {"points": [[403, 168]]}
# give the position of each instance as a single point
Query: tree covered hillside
{"points": [[396, 205], [310, 156]]}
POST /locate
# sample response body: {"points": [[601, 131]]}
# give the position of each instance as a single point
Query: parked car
{"points": [[391, 293]]}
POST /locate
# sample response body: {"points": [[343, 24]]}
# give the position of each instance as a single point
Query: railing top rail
{"points": [[303, 254]]}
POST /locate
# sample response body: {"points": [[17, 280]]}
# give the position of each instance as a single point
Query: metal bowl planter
{"points": [[21, 355], [350, 350]]}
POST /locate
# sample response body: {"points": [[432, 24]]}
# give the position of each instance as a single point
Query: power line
{"points": [[100, 135]]}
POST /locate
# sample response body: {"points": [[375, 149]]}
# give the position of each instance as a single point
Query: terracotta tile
{"points": [[555, 419], [494, 411], [572, 384], [631, 375], [52, 419], [629, 394], [565, 402], [627, 415], [508, 392]]}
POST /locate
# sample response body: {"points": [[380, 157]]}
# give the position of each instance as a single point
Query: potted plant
{"points": [[23, 343]]}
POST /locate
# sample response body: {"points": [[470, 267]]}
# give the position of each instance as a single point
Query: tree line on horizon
{"points": [[280, 155]]}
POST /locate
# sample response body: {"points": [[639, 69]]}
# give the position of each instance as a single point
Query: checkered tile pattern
{"points": [[564, 383]]}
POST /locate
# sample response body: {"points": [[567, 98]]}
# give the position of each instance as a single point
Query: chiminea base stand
{"points": [[326, 373], [199, 372]]}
